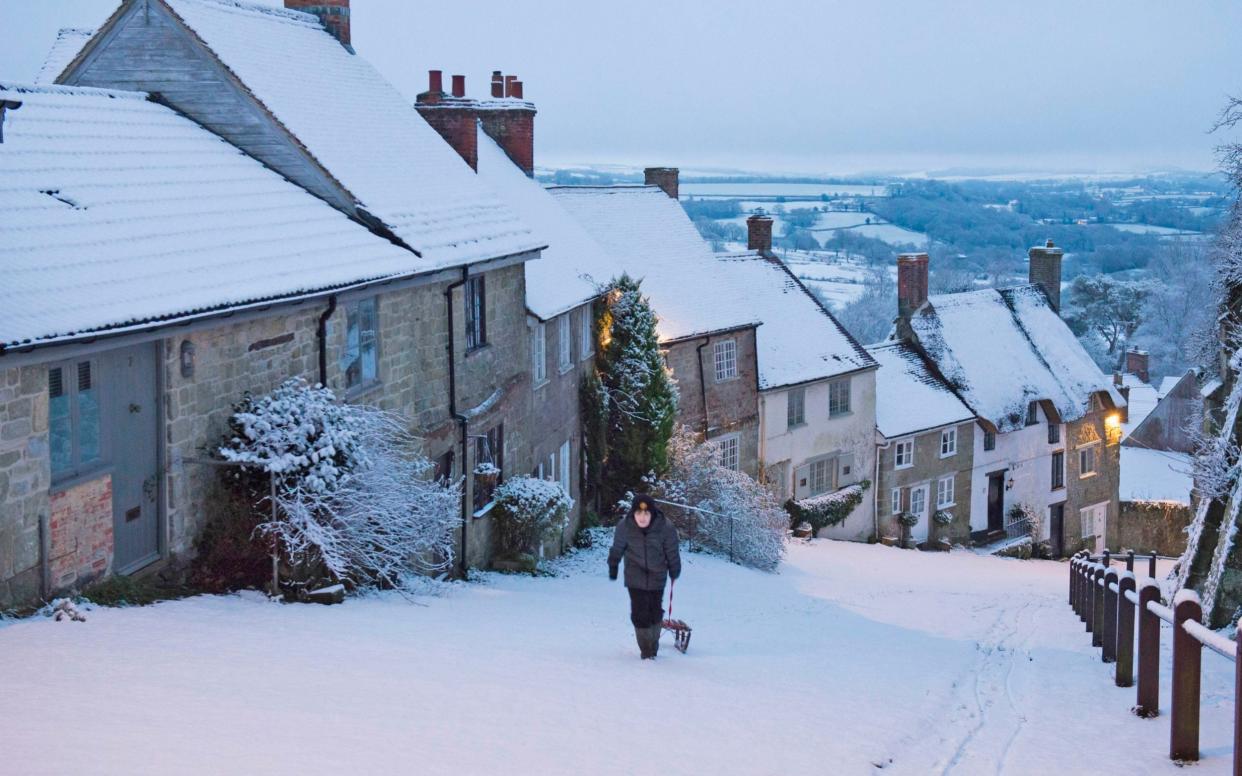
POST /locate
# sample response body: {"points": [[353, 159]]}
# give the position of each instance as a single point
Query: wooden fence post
{"points": [[1109, 631], [1076, 585], [1151, 566], [1072, 566], [1125, 631], [1105, 559], [1130, 561], [1088, 596], [1097, 611], [1084, 592], [1187, 659], [1149, 652]]}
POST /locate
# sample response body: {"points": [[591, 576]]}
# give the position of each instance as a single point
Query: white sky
{"points": [[805, 85]]}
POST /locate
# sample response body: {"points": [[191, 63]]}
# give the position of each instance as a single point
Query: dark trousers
{"points": [[645, 609]]}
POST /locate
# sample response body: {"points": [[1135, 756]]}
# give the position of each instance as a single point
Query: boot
{"points": [[653, 633], [640, 635]]}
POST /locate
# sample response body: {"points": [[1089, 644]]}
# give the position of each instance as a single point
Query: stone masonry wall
{"points": [[1099, 488], [927, 469], [25, 475]]}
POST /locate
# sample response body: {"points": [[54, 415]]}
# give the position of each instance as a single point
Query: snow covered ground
{"points": [[854, 659]]}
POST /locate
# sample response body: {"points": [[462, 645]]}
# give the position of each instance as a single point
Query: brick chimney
{"points": [[1124, 412], [759, 233], [1138, 363], [911, 282], [509, 119], [452, 115], [1045, 272], [667, 178], [334, 14]]}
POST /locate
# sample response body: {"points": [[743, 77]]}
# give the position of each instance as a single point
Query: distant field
{"points": [[1148, 229], [742, 190], [837, 279]]}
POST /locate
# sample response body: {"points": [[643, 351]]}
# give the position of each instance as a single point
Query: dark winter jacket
{"points": [[650, 556]]}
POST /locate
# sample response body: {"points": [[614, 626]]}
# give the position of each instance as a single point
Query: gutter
{"points": [[462, 420]]}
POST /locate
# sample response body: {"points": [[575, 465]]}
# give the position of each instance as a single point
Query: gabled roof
{"points": [[1003, 349], [573, 266], [798, 341], [647, 234], [116, 212], [1141, 402], [908, 397], [69, 42], [359, 128]]}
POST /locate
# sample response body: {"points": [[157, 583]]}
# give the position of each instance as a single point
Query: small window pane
{"points": [[895, 501], [989, 440], [838, 397], [726, 360], [88, 426], [588, 338], [796, 414]]}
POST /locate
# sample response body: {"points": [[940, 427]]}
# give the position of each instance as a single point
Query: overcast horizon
{"points": [[810, 88]]}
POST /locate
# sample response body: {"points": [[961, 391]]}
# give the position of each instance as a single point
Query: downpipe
{"points": [[462, 420]]}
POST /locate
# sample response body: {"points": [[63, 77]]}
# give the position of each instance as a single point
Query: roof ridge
{"points": [[254, 7]]}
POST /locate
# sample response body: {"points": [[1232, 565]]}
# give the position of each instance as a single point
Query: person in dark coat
{"points": [[648, 543]]}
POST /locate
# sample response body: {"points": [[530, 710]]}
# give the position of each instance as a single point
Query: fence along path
{"points": [[1110, 602]]}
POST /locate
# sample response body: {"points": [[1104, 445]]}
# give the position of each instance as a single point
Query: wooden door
{"points": [[996, 501], [132, 418]]}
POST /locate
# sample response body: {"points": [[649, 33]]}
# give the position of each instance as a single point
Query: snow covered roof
{"points": [[1168, 383], [648, 235], [1142, 400], [69, 41], [908, 397], [1155, 475], [573, 266], [1002, 349], [798, 340], [360, 129], [116, 212]]}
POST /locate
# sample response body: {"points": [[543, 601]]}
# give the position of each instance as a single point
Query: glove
{"points": [[612, 572]]}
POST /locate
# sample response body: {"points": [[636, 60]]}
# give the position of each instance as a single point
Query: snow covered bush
{"points": [[827, 508], [738, 517], [941, 517], [529, 511], [353, 493], [908, 519]]}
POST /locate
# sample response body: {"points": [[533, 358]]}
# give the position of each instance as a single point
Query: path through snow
{"points": [[854, 659]]}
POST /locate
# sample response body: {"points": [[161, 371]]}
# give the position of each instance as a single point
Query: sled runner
{"points": [[679, 628]]}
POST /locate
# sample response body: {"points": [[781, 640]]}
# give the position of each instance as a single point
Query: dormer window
{"points": [[1032, 414]]}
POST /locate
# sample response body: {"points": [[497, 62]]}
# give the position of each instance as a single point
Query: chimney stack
{"points": [[911, 283], [333, 14], [1124, 412], [510, 121], [1138, 363], [1045, 272], [667, 178], [453, 116], [759, 233]]}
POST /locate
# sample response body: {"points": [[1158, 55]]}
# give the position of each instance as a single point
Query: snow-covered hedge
{"points": [[529, 511], [827, 508], [354, 493]]}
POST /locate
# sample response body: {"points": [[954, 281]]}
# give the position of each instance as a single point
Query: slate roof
{"points": [[360, 129], [908, 397], [116, 212], [1002, 349]]}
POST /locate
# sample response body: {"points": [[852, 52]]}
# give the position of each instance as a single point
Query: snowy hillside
{"points": [[853, 658]]}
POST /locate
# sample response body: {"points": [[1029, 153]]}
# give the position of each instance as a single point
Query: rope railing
{"points": [[1110, 602]]}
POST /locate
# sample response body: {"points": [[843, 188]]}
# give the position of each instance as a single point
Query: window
{"points": [[918, 500], [1093, 519], [361, 358], [944, 492], [476, 313], [796, 407], [726, 360], [838, 397], [903, 454], [894, 501], [1032, 414], [564, 342], [1058, 469], [729, 451], [1054, 433], [1086, 461], [989, 440], [563, 469], [821, 476], [538, 354], [587, 333], [75, 431], [948, 442]]}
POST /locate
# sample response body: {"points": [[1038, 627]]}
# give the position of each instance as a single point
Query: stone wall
{"points": [[1150, 526], [927, 469], [1096, 489], [25, 476], [80, 535]]}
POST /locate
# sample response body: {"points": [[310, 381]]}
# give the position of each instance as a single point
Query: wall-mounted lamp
{"points": [[187, 359], [1009, 483]]}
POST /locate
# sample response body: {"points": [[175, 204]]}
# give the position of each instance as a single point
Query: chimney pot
{"points": [[459, 86], [498, 84], [435, 81], [510, 124], [517, 90], [667, 178], [759, 233], [911, 282], [509, 79], [1045, 271], [333, 14]]}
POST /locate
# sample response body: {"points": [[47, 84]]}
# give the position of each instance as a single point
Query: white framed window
{"points": [[944, 492], [538, 354], [948, 442], [550, 472], [476, 312], [839, 397], [1087, 460], [821, 475], [894, 501], [563, 468], [918, 500], [1094, 519], [360, 361], [729, 446], [587, 333], [903, 454], [726, 360], [564, 342], [796, 407]]}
